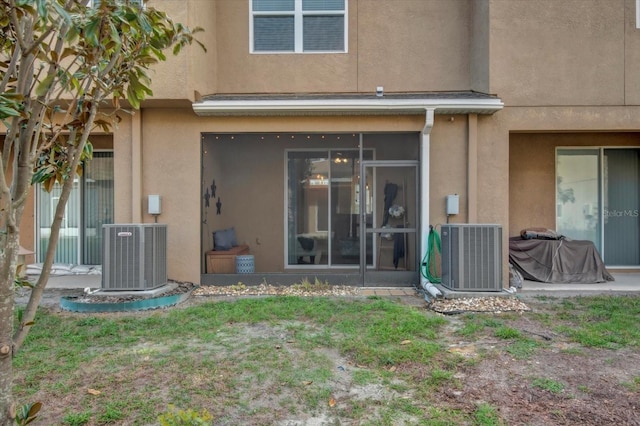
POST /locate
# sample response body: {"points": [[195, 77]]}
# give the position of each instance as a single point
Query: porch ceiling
{"points": [[348, 104]]}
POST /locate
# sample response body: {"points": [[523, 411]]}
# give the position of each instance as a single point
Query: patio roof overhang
{"points": [[348, 104]]}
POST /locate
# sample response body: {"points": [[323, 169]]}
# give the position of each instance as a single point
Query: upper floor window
{"points": [[298, 26]]}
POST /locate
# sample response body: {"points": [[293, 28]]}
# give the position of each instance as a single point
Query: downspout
{"points": [[425, 147], [472, 169], [136, 167]]}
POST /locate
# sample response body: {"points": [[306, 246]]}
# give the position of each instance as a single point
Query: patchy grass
{"points": [[602, 321], [262, 356], [323, 360], [523, 349], [487, 415], [547, 384]]}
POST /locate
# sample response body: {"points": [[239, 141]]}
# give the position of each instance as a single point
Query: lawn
{"points": [[327, 360]]}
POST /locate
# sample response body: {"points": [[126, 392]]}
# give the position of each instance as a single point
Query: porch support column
{"points": [[136, 167], [472, 169], [425, 144]]}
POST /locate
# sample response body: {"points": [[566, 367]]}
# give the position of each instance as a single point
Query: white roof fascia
{"points": [[342, 106]]}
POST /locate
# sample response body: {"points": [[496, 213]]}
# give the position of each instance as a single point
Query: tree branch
{"points": [[36, 294]]}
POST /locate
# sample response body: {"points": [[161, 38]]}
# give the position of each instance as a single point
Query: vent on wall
{"points": [[135, 256], [471, 257]]}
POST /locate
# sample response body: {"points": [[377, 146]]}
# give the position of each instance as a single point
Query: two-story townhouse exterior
{"points": [[307, 119]]}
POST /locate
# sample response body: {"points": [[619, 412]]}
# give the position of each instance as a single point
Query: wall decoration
{"points": [[219, 206], [213, 188], [206, 198]]}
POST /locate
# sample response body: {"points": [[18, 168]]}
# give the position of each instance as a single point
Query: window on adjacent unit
{"points": [[96, 3], [298, 26], [90, 205]]}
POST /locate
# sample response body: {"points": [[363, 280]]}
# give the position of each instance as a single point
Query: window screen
{"points": [[273, 33], [322, 5], [323, 33], [298, 25]]}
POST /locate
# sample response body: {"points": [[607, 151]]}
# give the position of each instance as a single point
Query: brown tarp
{"points": [[558, 261]]}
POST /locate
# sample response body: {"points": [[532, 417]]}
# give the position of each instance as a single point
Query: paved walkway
{"points": [[388, 291], [624, 283]]}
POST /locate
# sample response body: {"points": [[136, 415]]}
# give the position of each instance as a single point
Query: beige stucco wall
{"points": [[570, 52], [193, 69], [389, 46], [563, 53], [480, 45], [412, 45], [448, 168]]}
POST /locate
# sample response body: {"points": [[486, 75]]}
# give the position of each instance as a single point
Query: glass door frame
{"points": [[331, 263], [370, 275], [602, 190]]}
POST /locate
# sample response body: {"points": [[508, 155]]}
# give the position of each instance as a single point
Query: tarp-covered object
{"points": [[558, 261]]}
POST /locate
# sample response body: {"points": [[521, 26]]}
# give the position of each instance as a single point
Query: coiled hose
{"points": [[428, 266]]}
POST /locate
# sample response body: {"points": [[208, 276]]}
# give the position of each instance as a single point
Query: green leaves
{"points": [[45, 85], [28, 413], [91, 30], [10, 105], [84, 53]]}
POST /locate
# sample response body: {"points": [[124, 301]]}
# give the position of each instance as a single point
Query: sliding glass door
{"points": [[97, 205], [578, 194], [323, 205], [621, 201], [598, 199], [90, 206]]}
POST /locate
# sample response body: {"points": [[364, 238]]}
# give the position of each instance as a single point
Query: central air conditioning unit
{"points": [[134, 256], [471, 257]]}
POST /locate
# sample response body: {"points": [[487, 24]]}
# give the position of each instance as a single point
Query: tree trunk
{"points": [[9, 243], [36, 293], [8, 262]]}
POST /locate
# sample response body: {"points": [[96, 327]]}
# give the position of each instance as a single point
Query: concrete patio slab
{"points": [[624, 283]]}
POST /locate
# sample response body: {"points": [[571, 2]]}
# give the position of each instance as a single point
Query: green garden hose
{"points": [[428, 268]]}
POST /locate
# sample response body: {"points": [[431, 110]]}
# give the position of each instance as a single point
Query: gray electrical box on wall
{"points": [[155, 204], [453, 204]]}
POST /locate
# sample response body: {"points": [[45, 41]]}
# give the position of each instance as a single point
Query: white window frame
{"points": [[298, 16], [637, 13]]}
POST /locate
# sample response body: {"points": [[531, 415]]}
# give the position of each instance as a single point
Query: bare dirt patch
{"points": [[560, 382], [595, 385]]}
